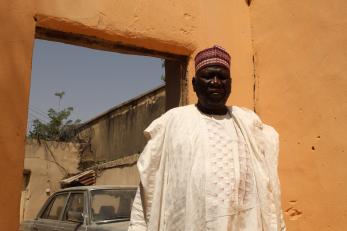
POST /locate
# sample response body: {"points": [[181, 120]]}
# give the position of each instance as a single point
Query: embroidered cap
{"points": [[215, 55]]}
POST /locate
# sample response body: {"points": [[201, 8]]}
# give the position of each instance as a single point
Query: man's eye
{"points": [[207, 77], [224, 77]]}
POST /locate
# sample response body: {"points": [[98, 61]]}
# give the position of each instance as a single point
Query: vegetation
{"points": [[58, 128]]}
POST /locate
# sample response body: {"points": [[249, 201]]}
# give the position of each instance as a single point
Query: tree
{"points": [[60, 95], [58, 128]]}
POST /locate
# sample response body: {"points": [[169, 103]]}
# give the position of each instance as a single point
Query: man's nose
{"points": [[215, 80]]}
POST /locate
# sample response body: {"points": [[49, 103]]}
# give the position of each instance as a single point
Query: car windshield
{"points": [[111, 205]]}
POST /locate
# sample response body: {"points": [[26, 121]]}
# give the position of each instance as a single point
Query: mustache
{"points": [[216, 90]]}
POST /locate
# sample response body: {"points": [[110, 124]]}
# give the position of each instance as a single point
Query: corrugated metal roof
{"points": [[83, 178]]}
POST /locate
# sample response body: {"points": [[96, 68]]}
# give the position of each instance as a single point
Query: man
{"points": [[208, 166]]}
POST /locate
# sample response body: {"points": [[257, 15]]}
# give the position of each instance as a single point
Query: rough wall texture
{"points": [[119, 132], [48, 162], [15, 67], [300, 65], [125, 175]]}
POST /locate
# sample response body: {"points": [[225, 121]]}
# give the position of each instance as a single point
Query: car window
{"points": [[111, 204], [75, 208], [55, 207]]}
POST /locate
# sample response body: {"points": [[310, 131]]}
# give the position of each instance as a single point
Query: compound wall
{"points": [[300, 50], [48, 163]]}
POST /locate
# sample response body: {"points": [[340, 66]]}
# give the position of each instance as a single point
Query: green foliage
{"points": [[60, 94], [58, 128]]}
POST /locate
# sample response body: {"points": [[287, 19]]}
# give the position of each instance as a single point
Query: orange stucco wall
{"points": [[300, 60], [299, 50]]}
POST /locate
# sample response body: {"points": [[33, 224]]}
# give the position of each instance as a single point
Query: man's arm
{"points": [[273, 143], [148, 165]]}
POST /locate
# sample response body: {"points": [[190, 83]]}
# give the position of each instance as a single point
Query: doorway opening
{"points": [[90, 101]]}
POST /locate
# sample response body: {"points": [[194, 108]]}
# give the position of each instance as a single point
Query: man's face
{"points": [[212, 85]]}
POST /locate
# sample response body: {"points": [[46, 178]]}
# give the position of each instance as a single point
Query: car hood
{"points": [[114, 226]]}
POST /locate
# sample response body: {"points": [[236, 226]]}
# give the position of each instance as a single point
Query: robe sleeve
{"points": [[282, 224], [267, 142], [148, 166], [272, 158], [137, 221]]}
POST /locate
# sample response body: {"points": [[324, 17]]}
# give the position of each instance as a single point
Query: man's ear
{"points": [[194, 83]]}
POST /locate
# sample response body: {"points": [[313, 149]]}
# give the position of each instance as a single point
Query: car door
{"points": [[75, 210], [51, 215]]}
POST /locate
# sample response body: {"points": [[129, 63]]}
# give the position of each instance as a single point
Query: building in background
{"points": [[118, 132], [46, 163], [107, 155]]}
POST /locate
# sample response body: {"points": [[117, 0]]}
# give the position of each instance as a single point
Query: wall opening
{"points": [[175, 65], [113, 136]]}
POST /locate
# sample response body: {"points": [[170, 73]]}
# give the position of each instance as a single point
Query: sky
{"points": [[93, 80]]}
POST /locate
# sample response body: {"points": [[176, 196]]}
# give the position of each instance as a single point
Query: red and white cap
{"points": [[215, 55]]}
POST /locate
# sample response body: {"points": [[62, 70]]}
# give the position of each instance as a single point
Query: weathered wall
{"points": [[125, 175], [180, 27], [15, 67], [119, 132], [49, 162], [300, 65]]}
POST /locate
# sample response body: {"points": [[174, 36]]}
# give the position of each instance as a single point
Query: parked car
{"points": [[87, 208]]}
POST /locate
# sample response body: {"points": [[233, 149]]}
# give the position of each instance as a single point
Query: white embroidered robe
{"points": [[179, 167]]}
